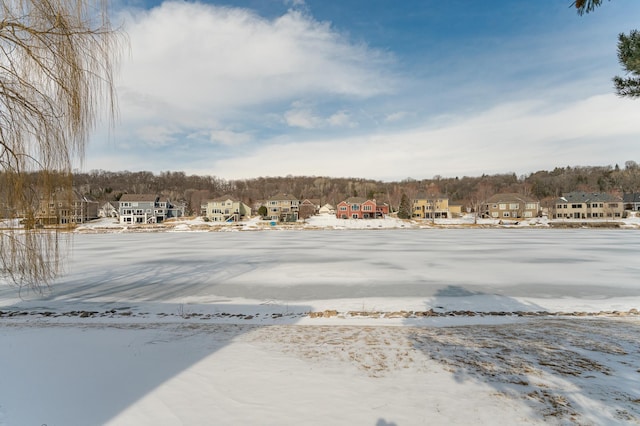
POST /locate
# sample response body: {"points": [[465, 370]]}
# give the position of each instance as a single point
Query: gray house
{"points": [[147, 208], [588, 205], [631, 201]]}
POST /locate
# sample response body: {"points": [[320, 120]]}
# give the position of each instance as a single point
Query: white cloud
{"points": [[518, 137], [230, 138], [208, 61], [303, 118], [396, 116], [156, 135], [341, 119]]}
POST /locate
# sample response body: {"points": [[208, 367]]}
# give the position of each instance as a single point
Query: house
{"points": [[283, 208], [147, 208], [226, 209], [588, 205], [327, 209], [455, 210], [631, 201], [425, 206], [361, 208], [108, 209], [66, 207], [307, 208], [511, 206]]}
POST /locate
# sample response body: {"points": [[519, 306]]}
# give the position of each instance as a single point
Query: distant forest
{"points": [[194, 190]]}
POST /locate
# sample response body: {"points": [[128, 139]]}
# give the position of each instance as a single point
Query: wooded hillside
{"points": [[193, 189]]}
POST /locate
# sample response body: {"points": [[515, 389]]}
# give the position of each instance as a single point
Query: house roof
{"points": [[511, 197], [139, 197], [224, 198], [585, 197], [355, 200], [424, 196], [282, 196], [633, 197]]}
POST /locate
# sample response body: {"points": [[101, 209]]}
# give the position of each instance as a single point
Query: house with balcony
{"points": [[588, 205], [425, 206], [511, 206], [66, 208], [226, 209], [361, 208], [283, 208], [147, 208]]}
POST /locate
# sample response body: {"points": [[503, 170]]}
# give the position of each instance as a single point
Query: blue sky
{"points": [[375, 89]]}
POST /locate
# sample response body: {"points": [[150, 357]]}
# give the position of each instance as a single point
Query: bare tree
{"points": [[57, 59]]}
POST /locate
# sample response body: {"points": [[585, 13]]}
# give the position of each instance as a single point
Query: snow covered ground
{"points": [[388, 327]]}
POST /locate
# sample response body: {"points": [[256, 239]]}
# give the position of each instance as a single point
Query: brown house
{"points": [[511, 206]]}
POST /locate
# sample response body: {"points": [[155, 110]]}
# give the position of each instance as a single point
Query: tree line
{"points": [[193, 190]]}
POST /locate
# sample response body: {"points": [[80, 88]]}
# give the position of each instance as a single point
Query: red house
{"points": [[360, 208]]}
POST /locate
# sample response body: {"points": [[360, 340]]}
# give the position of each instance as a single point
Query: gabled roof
{"points": [[422, 195], [224, 198], [355, 200], [510, 197], [633, 197], [586, 197], [282, 196], [139, 197]]}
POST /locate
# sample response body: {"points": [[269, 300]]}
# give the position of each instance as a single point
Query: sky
{"points": [[372, 89]]}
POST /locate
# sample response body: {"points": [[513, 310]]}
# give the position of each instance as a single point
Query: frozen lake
{"points": [[347, 264]]}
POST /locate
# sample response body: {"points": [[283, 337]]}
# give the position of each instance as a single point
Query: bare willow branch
{"points": [[57, 62]]}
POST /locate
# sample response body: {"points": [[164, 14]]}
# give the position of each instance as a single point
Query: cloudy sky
{"points": [[376, 89]]}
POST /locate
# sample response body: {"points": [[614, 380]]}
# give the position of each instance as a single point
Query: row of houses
{"points": [[73, 208], [70, 207]]}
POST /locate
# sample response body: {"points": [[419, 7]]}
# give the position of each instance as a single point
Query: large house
{"points": [[65, 208], [147, 208], [361, 208], [631, 201], [283, 208], [430, 207], [588, 205], [226, 209], [511, 206]]}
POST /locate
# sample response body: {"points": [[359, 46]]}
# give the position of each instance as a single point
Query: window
{"points": [[514, 206], [576, 206], [613, 205], [559, 206], [505, 214], [343, 209], [355, 216], [531, 206], [528, 214], [355, 207], [367, 208], [503, 206], [494, 214]]}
